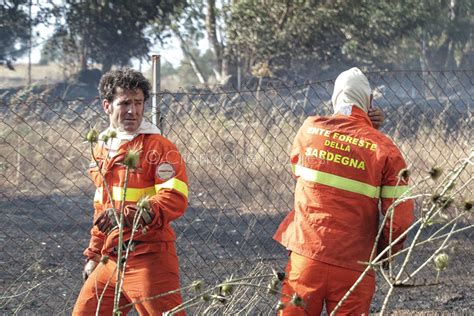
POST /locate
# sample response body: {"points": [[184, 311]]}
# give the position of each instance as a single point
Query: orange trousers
{"points": [[317, 283], [146, 275]]}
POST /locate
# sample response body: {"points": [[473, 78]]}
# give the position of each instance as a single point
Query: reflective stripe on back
{"points": [[337, 181]]}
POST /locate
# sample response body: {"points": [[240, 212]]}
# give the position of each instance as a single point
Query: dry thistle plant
{"points": [[438, 209], [233, 296], [131, 161]]}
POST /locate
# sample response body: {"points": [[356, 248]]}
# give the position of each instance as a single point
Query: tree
{"points": [[188, 29], [14, 30], [446, 40], [204, 61], [218, 46], [301, 38], [199, 19], [112, 32], [298, 39], [328, 35], [376, 29], [284, 34]]}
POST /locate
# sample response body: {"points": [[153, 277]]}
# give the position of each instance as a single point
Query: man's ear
{"points": [[106, 105]]}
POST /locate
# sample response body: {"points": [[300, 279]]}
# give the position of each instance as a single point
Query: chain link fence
{"points": [[236, 146]]}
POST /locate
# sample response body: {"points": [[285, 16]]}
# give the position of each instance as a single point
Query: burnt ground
{"points": [[42, 240]]}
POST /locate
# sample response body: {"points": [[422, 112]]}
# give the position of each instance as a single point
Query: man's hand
{"points": [[129, 215], [376, 117], [88, 268], [105, 222]]}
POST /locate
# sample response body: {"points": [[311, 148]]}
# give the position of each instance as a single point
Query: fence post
{"points": [[156, 82]]}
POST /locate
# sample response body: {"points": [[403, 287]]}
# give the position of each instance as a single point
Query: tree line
{"points": [[283, 38]]}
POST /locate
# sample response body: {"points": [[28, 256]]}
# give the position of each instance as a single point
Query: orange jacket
{"points": [[161, 174], [344, 167]]}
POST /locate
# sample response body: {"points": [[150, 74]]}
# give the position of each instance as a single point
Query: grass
{"points": [[40, 74], [54, 73]]}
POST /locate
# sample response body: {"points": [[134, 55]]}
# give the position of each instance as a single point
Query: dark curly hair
{"points": [[125, 78]]}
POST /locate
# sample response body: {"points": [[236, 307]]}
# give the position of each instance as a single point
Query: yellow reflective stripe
{"points": [[174, 184], [132, 194], [293, 168], [337, 182], [393, 192], [98, 195]]}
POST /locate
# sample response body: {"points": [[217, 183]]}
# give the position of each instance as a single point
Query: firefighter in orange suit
{"points": [[344, 168], [152, 265]]}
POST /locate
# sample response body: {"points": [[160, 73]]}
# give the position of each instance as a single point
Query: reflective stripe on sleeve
{"points": [[98, 195], [175, 184], [132, 194], [337, 181], [393, 192]]}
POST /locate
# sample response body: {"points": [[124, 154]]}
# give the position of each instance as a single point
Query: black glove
{"points": [[106, 222], [146, 216]]}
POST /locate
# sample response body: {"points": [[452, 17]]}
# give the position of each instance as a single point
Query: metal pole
{"points": [[156, 82], [238, 73], [29, 42]]}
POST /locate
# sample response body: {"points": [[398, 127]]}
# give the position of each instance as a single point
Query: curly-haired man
{"points": [[152, 265]]}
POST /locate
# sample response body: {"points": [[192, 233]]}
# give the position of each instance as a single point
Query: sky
{"points": [[170, 52]]}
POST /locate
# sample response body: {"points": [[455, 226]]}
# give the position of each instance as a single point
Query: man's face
{"points": [[126, 109]]}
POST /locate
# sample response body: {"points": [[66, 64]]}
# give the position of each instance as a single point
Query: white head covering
{"points": [[351, 88]]}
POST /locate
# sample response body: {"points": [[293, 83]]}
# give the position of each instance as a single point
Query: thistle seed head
{"points": [[281, 276], [112, 134], [132, 158], [280, 306], [468, 205], [296, 300], [445, 202], [197, 285], [205, 297], [226, 288], [92, 135], [105, 138], [435, 197], [441, 261], [435, 172], [404, 174], [104, 259], [273, 286]]}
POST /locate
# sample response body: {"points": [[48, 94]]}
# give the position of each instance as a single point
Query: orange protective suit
{"points": [[344, 168], [152, 265], [318, 283]]}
